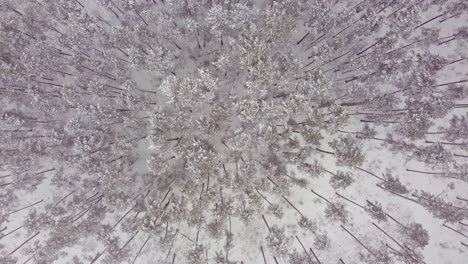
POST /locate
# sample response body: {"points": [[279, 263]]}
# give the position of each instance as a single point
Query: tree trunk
{"points": [[397, 194], [396, 221], [389, 236], [455, 61], [266, 223], [305, 251], [172, 245], [324, 151], [454, 230], [355, 238], [427, 21], [264, 198], [302, 39], [31, 205], [349, 200], [141, 248], [129, 240], [24, 243], [325, 199], [263, 254], [450, 83], [315, 256], [297, 210], [276, 261], [121, 218], [446, 143], [61, 200], [11, 232], [426, 172], [368, 172], [370, 47]]}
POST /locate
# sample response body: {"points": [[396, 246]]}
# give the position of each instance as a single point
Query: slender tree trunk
{"points": [[450, 83], [446, 143], [11, 232], [334, 59], [263, 254], [455, 61], [378, 121], [97, 199], [373, 138], [91, 197], [397, 194], [454, 230], [325, 199], [349, 200], [297, 210], [28, 259], [121, 218], [266, 223], [98, 255], [324, 151], [347, 132], [22, 208], [368, 172], [141, 248], [201, 192], [426, 172], [355, 238], [447, 41], [315, 256], [24, 243], [305, 251], [274, 183], [302, 39], [389, 236], [447, 18], [81, 214], [396, 221], [66, 196], [276, 261], [144, 21], [427, 21], [172, 245], [370, 47], [129, 240], [318, 40]]}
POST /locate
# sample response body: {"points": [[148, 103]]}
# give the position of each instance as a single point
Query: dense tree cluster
{"points": [[140, 124]]}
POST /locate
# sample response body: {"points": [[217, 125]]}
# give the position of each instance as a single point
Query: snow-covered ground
{"points": [[328, 64]]}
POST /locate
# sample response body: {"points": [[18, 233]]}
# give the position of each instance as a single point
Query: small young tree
{"points": [[341, 180], [337, 212], [376, 211], [418, 235], [458, 128], [278, 241], [440, 208], [347, 151], [393, 183]]}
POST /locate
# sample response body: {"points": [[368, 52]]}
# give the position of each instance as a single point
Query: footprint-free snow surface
{"points": [[233, 131]]}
